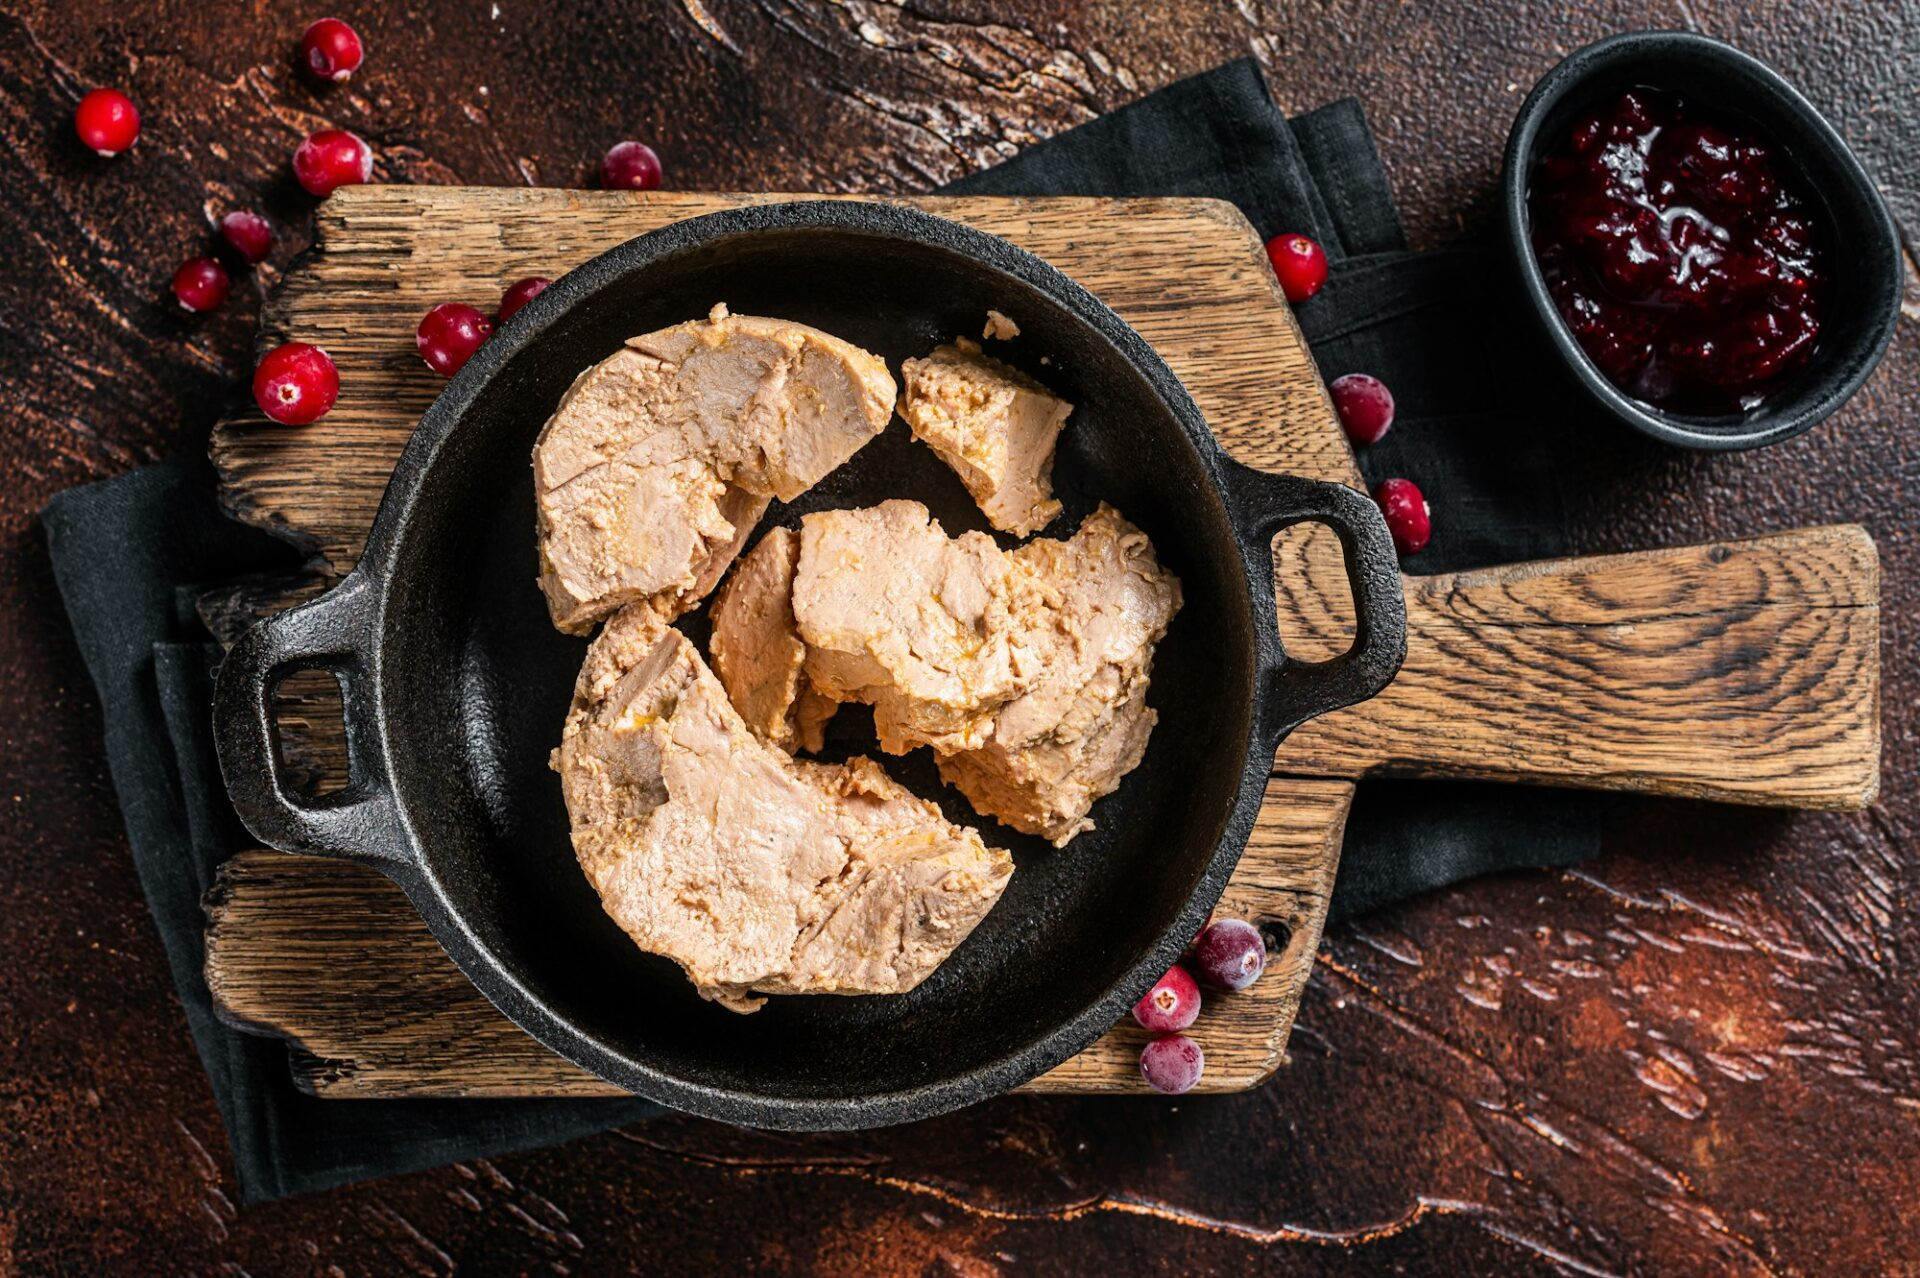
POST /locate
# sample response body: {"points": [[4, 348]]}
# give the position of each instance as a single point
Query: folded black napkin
{"points": [[131, 553]]}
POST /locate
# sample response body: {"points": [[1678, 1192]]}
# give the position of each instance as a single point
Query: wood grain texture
{"points": [[332, 959], [1744, 671]]}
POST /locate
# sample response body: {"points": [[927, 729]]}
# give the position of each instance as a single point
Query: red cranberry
{"points": [[1365, 406], [330, 159], [449, 335], [107, 121], [248, 234], [331, 50], [520, 294], [630, 166], [1300, 263], [1171, 1004], [200, 284], [296, 384], [1409, 518], [1173, 1064], [1231, 954]]}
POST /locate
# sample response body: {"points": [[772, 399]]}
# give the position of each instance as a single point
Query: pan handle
{"points": [[359, 823], [1263, 503]]}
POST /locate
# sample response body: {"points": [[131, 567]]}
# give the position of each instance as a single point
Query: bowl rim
{"points": [[1689, 431]]}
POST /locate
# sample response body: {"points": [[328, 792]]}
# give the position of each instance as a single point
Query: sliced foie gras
{"points": [[757, 874], [758, 653], [1027, 672], [1092, 609], [652, 471], [994, 425], [895, 613]]}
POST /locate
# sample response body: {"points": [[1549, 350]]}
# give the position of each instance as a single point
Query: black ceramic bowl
{"points": [[1863, 250]]}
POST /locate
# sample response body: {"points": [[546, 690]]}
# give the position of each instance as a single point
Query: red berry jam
{"points": [[1688, 268]]}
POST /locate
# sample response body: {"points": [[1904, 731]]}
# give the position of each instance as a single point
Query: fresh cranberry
{"points": [[1231, 954], [1300, 263], [1409, 518], [630, 166], [1365, 406], [1173, 1064], [1171, 1004], [296, 384], [520, 294], [248, 234], [331, 50], [107, 121], [1683, 263], [200, 284], [330, 159], [449, 335]]}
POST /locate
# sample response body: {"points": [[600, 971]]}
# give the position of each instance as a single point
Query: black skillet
{"points": [[455, 685]]}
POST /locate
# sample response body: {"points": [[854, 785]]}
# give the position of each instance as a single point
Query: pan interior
{"points": [[477, 683]]}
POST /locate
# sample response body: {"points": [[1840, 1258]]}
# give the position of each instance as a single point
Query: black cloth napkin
{"points": [[131, 553]]}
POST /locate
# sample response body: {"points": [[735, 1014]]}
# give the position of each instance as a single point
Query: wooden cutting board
{"points": [[1744, 671]]}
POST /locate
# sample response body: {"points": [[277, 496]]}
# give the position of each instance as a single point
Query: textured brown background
{"points": [[1700, 1054]]}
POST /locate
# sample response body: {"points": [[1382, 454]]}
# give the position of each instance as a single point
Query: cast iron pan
{"points": [[455, 685]]}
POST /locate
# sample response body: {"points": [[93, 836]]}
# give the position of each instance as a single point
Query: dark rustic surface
{"points": [[1701, 1053]]}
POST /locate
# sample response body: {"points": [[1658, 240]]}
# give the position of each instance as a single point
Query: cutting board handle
{"points": [[1744, 671]]}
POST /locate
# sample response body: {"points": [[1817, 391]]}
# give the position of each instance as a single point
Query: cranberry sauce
{"points": [[1688, 269]]}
